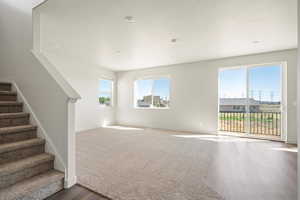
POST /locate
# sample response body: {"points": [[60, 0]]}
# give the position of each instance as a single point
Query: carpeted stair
{"points": [[26, 171]]}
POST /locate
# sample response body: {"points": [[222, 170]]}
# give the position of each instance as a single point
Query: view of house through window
{"points": [[152, 93], [105, 92]]}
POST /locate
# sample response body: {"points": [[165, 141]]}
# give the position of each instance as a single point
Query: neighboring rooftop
{"points": [[244, 101]]}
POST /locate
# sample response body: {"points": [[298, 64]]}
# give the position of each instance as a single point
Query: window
{"points": [[152, 93], [105, 92]]}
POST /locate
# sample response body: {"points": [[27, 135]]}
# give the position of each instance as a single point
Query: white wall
{"points": [[298, 99], [47, 99], [85, 80], [82, 75], [198, 82]]}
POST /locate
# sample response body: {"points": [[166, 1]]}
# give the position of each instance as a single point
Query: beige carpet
{"points": [[158, 165]]}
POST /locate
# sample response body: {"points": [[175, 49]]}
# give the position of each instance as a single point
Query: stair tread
{"points": [[14, 129], [8, 93], [22, 164], [20, 145], [28, 186], [4, 83], [12, 115], [23, 154], [8, 103]]}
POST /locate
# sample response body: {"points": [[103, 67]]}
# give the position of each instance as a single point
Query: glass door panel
{"points": [[250, 101], [233, 100], [264, 90]]}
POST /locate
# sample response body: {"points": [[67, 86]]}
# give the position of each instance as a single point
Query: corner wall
{"points": [[198, 81], [85, 80]]}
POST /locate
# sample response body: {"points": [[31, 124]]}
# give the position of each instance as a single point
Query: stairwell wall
{"points": [[47, 99], [85, 79], [82, 75]]}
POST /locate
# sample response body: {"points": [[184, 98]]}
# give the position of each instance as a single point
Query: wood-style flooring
{"points": [[77, 192]]}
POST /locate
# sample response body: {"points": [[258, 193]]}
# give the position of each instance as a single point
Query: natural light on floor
{"points": [[289, 149], [121, 127], [218, 138]]}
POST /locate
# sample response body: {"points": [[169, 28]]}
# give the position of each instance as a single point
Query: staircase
{"points": [[26, 171]]}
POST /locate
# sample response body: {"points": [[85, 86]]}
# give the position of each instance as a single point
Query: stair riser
{"points": [[4, 97], [11, 179], [8, 122], [5, 87], [21, 153], [18, 136], [11, 109]]}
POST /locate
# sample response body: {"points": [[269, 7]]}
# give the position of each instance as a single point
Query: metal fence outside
{"points": [[256, 123]]}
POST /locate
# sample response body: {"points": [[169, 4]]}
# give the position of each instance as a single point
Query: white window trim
{"points": [[111, 92], [151, 78]]}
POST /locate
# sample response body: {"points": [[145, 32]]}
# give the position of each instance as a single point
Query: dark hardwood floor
{"points": [[77, 192]]}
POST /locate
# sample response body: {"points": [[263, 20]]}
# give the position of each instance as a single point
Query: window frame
{"points": [[111, 92], [283, 89], [151, 78]]}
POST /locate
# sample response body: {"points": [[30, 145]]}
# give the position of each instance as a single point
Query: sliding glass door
{"points": [[250, 100], [233, 100], [264, 85]]}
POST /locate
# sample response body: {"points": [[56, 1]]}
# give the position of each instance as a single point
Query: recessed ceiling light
{"points": [[129, 19], [117, 53], [256, 41], [174, 40]]}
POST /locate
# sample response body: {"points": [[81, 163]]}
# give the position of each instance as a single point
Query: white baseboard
{"points": [[70, 182]]}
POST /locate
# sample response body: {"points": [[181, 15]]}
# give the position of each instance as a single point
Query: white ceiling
{"points": [[95, 31]]}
